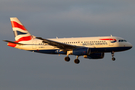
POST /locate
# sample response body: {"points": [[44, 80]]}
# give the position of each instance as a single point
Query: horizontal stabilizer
{"points": [[13, 42]]}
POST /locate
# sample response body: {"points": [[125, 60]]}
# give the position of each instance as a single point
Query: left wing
{"points": [[63, 46]]}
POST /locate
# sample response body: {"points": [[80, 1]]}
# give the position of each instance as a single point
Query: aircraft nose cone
{"points": [[130, 45]]}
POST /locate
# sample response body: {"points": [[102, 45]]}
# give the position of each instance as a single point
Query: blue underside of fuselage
{"points": [[115, 49], [93, 50]]}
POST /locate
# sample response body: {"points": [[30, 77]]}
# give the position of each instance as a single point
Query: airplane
{"points": [[88, 47]]}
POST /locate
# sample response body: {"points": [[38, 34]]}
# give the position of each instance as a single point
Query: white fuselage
{"points": [[90, 42]]}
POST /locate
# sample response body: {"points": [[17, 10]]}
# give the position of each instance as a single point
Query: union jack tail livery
{"points": [[20, 32], [88, 47]]}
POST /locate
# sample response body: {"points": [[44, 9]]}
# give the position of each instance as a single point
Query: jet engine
{"points": [[79, 51], [95, 56]]}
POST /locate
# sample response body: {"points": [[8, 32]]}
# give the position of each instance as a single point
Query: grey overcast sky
{"points": [[23, 70]]}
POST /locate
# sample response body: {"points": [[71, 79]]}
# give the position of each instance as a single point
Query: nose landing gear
{"points": [[113, 58]]}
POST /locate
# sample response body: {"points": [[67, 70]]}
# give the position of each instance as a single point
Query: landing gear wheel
{"points": [[67, 59], [77, 61], [113, 59]]}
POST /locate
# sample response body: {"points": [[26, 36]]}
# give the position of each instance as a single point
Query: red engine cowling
{"points": [[94, 56]]}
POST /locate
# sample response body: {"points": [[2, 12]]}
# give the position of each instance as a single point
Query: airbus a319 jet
{"points": [[88, 47]]}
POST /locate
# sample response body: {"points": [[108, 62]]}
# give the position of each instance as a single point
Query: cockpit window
{"points": [[122, 40]]}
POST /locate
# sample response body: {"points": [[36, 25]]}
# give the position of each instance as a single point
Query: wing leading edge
{"points": [[65, 47]]}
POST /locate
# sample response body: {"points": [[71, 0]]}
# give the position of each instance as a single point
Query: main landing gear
{"points": [[67, 59], [77, 61], [113, 58]]}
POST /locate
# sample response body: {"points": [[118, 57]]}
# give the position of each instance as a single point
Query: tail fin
{"points": [[20, 32]]}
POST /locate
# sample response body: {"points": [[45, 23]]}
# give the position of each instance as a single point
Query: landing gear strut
{"points": [[77, 61], [113, 58]]}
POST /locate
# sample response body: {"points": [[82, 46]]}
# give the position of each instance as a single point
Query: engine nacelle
{"points": [[94, 56], [81, 51]]}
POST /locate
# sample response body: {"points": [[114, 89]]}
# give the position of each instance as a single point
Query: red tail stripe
{"points": [[17, 25], [24, 38]]}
